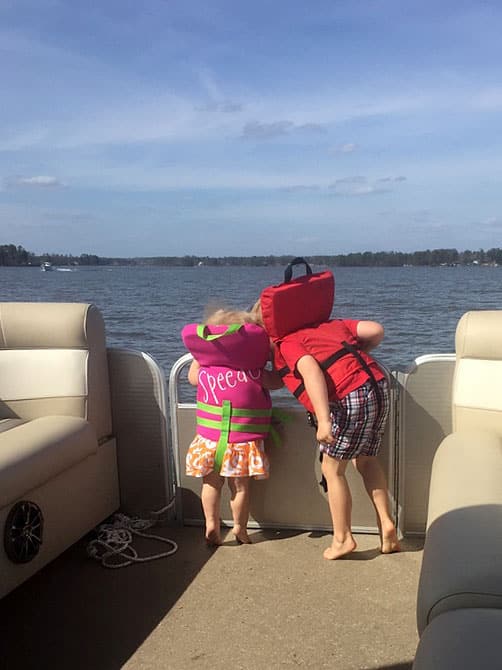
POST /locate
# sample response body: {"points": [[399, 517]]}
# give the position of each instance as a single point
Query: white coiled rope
{"points": [[114, 541]]}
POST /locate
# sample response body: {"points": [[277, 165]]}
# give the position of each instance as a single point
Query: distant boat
{"points": [[46, 266]]}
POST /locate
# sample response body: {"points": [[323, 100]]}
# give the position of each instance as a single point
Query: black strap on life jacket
{"points": [[347, 349], [324, 365], [355, 352]]}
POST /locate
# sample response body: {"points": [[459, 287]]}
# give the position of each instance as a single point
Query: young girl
{"points": [[234, 409]]}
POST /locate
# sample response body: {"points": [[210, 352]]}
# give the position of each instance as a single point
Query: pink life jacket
{"points": [[232, 405]]}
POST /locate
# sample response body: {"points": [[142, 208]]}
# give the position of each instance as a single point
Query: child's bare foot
{"points": [[390, 543], [339, 549], [213, 538], [241, 535]]}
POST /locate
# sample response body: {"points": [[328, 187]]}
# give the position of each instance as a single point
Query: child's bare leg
{"points": [[340, 507], [239, 503], [211, 497], [376, 486]]}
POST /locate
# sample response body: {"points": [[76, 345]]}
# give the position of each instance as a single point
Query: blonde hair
{"points": [[257, 313], [223, 316]]}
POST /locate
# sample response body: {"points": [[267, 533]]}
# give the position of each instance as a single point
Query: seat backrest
{"points": [[477, 381], [53, 360]]}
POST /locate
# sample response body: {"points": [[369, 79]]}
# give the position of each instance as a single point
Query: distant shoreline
{"points": [[16, 256]]}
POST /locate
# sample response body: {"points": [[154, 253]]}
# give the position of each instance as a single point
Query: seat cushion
{"points": [[53, 361], [34, 452], [461, 640], [7, 424], [477, 382], [463, 545]]}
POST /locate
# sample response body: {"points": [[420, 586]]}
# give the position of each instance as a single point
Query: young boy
{"points": [[349, 396]]}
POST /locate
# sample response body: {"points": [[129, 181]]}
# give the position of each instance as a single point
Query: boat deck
{"points": [[276, 603]]}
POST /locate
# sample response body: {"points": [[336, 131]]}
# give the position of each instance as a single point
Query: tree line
{"points": [[12, 255]]}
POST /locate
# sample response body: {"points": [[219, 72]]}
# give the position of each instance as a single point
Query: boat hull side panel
{"points": [[291, 497], [425, 419], [139, 417]]}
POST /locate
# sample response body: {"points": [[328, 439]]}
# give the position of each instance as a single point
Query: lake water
{"points": [[145, 307]]}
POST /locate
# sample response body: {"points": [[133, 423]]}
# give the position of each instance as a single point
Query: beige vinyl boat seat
{"points": [[58, 467], [459, 604]]}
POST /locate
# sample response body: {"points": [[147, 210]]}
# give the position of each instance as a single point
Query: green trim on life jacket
{"points": [[216, 409], [221, 447], [202, 328], [226, 426], [279, 416], [235, 427], [221, 412]]}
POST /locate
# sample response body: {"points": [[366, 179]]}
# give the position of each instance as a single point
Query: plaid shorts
{"points": [[358, 422]]}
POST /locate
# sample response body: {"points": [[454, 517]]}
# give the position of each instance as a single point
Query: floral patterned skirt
{"points": [[241, 459]]}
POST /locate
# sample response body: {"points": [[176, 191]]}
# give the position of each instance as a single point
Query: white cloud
{"points": [[347, 148], [130, 112], [39, 181], [354, 186]]}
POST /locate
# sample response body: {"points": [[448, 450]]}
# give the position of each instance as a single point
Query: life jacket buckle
{"points": [[311, 420]]}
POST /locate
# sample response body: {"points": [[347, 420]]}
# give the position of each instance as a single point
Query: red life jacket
{"points": [[297, 302], [337, 352], [304, 303]]}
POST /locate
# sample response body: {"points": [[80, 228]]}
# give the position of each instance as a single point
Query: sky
{"points": [[232, 127]]}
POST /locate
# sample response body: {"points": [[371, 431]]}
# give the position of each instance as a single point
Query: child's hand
{"points": [[193, 373], [324, 434]]}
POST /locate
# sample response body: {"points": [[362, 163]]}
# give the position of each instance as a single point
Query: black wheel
{"points": [[23, 532]]}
